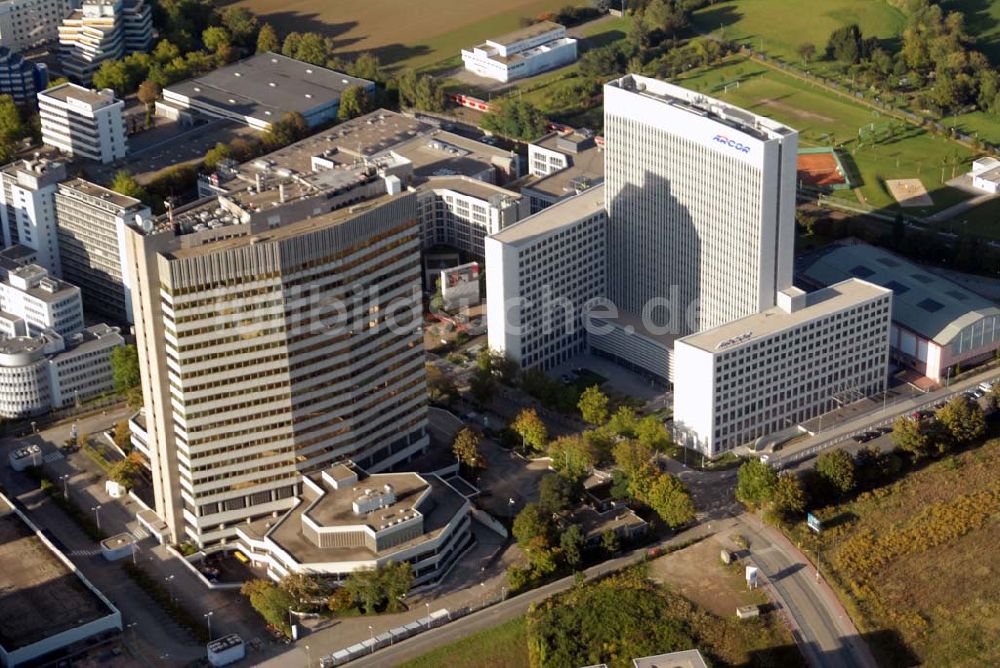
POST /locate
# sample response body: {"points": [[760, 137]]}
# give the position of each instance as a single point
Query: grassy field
{"points": [[753, 22], [413, 34], [504, 646], [888, 148], [915, 562]]}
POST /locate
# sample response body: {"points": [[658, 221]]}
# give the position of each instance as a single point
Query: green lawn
{"points": [[823, 117], [778, 27], [980, 123], [504, 646]]}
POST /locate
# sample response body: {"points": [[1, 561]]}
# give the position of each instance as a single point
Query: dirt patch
{"points": [[910, 193], [819, 169], [697, 573], [794, 111]]}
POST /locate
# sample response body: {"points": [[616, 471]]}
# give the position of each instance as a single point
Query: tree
{"points": [[270, 601], [624, 422], [571, 543], [755, 483], [466, 448], [806, 51], [515, 118], [633, 457], [365, 588], [241, 24], [483, 386], [12, 127], [845, 44], [667, 16], [125, 184], [354, 102], [670, 499], [593, 405], [340, 600], [123, 436], [610, 542], [440, 386], [125, 374], [573, 456], [126, 471], [267, 39], [837, 467], [788, 499], [114, 74], [304, 589], [148, 93], [366, 66], [910, 435], [533, 528], [555, 493], [963, 420], [215, 155], [531, 429], [651, 432], [216, 37], [396, 579]]}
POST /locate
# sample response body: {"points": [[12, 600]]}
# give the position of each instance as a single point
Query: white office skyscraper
{"points": [[701, 204]]}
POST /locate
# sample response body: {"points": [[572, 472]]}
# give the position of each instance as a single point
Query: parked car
{"points": [[987, 385], [869, 436], [858, 438]]}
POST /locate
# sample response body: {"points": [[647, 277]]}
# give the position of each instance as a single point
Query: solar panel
{"points": [[861, 271], [897, 287], [930, 305]]}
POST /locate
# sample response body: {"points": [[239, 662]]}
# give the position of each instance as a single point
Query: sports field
{"points": [[879, 146], [753, 22], [405, 33]]}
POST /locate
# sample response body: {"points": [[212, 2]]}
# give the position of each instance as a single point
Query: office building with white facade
{"points": [[279, 332], [83, 123], [91, 232], [522, 53], [767, 372], [346, 522], [20, 78], [32, 301], [28, 208], [541, 275], [701, 203], [461, 212], [562, 164], [27, 24], [103, 30]]}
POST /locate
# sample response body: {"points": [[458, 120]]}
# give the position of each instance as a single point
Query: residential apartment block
{"points": [[20, 78], [279, 332], [765, 373], [103, 30], [83, 123], [521, 53], [28, 208], [91, 232], [27, 24], [542, 275]]}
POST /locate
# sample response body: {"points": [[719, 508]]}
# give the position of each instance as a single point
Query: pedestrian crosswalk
{"points": [[53, 457], [140, 532], [84, 553]]}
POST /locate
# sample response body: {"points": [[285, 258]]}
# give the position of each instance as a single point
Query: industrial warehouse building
{"points": [[261, 90], [937, 325]]}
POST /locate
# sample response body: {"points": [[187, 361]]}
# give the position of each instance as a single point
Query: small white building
{"points": [[767, 372], [460, 286], [986, 175], [83, 123], [541, 274], [32, 301], [521, 53]]}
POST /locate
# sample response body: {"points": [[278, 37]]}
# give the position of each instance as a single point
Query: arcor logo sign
{"points": [[732, 143]]}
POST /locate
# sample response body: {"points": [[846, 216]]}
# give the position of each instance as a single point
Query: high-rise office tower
{"points": [[701, 203], [275, 337]]}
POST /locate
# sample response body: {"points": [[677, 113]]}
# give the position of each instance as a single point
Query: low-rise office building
{"points": [[83, 123], [985, 175], [521, 53], [541, 275], [561, 165], [51, 612], [32, 301], [461, 212], [937, 325], [91, 233], [45, 371], [262, 90], [20, 78], [767, 372], [346, 522], [28, 208], [102, 30]]}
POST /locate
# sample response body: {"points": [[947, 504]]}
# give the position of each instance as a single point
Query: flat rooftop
{"points": [[755, 125], [93, 190], [335, 507], [527, 32], [552, 218], [690, 658], [466, 186], [586, 167], [267, 86], [39, 595], [832, 299], [70, 91], [87, 340]]}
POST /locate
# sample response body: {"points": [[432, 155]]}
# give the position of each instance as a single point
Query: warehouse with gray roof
{"points": [[938, 326]]}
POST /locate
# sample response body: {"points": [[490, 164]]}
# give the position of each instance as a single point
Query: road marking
{"points": [[84, 553]]}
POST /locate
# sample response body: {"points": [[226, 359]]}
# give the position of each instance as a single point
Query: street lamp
{"points": [[372, 634], [97, 515], [308, 656], [168, 580], [65, 480], [208, 618]]}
